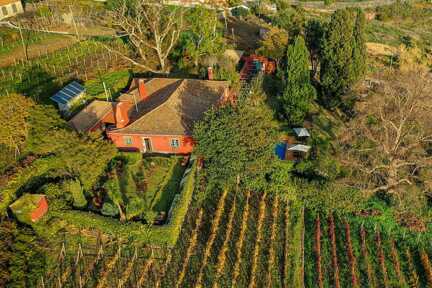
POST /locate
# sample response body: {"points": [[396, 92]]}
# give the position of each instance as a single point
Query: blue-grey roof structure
{"points": [[68, 93]]}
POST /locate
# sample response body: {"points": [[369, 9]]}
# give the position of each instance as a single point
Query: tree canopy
{"points": [[238, 140], [343, 54], [203, 35], [299, 92]]}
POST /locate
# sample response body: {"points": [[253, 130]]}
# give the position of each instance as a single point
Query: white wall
{"points": [[9, 11]]}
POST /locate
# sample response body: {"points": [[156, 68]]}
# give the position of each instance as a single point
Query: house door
{"points": [[147, 145]]}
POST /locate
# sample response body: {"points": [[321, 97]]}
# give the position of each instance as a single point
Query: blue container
{"points": [[280, 150]]}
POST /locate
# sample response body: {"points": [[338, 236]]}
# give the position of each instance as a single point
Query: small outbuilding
{"points": [[29, 208], [301, 133], [10, 8], [68, 96], [296, 151]]}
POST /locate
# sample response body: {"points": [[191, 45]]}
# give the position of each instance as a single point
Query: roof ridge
{"points": [[156, 108]]}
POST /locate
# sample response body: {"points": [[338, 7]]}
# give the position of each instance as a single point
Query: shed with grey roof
{"points": [[301, 132]]}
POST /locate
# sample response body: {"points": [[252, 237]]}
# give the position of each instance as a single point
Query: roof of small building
{"points": [[91, 115], [298, 148], [68, 93], [25, 205], [7, 2], [301, 132], [172, 106]]}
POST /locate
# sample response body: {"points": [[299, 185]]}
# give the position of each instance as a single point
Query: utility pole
{"points": [[106, 91], [74, 23], [23, 42]]}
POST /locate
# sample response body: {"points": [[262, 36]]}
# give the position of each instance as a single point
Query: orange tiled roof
{"points": [[173, 106]]}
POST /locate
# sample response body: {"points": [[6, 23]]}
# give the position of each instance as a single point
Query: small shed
{"points": [[29, 208], [296, 151], [68, 96], [301, 133]]}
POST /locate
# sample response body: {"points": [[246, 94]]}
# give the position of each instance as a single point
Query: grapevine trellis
{"points": [[113, 263], [84, 60], [349, 254], [48, 14]]}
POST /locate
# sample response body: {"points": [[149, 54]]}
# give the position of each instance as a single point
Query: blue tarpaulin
{"points": [[280, 150]]}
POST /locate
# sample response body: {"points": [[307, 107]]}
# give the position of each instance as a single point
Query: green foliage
{"points": [[291, 19], [274, 44], [14, 113], [73, 187], [114, 193], [359, 53], [299, 92], [203, 37], [326, 198], [28, 260], [57, 198], [328, 2], [62, 154], [240, 12], [399, 9], [156, 235], [7, 233], [109, 209], [342, 49], [314, 32], [115, 82], [238, 141]]}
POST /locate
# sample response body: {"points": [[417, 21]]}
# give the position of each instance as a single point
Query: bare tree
{"points": [[153, 29], [387, 144]]}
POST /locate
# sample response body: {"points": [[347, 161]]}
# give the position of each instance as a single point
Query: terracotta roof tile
{"points": [[175, 107], [91, 115]]}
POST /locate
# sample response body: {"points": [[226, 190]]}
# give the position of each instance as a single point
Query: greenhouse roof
{"points": [[68, 93]]}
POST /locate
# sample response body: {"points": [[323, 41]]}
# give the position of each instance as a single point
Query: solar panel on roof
{"points": [[68, 93]]}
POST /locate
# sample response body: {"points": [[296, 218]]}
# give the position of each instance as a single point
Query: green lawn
{"points": [[115, 82]]}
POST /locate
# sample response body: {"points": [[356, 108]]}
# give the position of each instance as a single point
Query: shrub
{"points": [[74, 188], [109, 209]]}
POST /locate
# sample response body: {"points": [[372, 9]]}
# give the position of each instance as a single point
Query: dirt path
{"points": [[35, 50], [340, 5]]}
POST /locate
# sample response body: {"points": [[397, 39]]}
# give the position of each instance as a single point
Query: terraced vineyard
{"points": [[343, 254], [245, 239], [107, 265], [240, 240]]}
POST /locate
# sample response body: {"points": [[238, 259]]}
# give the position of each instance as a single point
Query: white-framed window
{"points": [[4, 11], [14, 8], [127, 140], [175, 143]]}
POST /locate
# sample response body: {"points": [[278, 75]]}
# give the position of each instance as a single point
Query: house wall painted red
{"points": [[158, 143], [40, 211]]}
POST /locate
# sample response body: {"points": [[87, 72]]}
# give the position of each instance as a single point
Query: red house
{"points": [[156, 115]]}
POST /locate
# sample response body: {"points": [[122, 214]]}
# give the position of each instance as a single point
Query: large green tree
{"points": [[238, 141], [299, 92], [341, 56], [204, 35]]}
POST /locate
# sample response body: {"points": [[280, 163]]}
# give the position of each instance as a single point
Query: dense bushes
{"points": [[22, 259], [400, 9]]}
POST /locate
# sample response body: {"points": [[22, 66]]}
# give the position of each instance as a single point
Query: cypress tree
{"points": [[336, 58], [299, 92], [343, 54], [359, 46]]}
